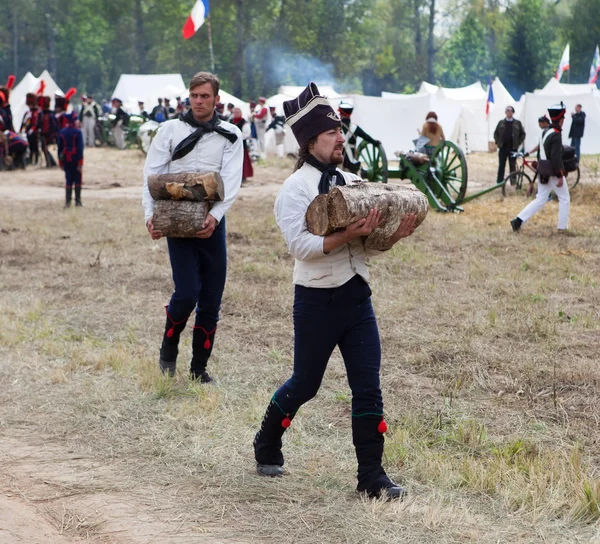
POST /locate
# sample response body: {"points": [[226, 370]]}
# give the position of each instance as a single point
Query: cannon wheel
{"points": [[373, 162], [451, 166]]}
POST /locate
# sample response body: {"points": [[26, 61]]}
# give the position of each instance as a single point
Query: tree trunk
{"points": [[430, 44], [347, 204], [15, 36], [418, 35], [186, 186], [179, 219], [50, 39], [140, 42], [240, 44]]}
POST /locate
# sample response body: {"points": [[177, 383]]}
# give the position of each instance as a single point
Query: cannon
{"points": [[442, 176]]}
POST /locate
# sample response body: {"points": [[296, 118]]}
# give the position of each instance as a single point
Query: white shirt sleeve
{"points": [[290, 213], [231, 172], [157, 162], [246, 131]]}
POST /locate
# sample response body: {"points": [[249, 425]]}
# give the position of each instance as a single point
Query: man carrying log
{"points": [[196, 142], [332, 301]]}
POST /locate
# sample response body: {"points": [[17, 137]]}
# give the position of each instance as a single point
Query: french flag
{"points": [[196, 18], [490, 97]]}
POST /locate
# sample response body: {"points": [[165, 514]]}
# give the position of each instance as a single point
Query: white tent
{"points": [[555, 88], [461, 112], [227, 98], [148, 88], [534, 105], [30, 84]]}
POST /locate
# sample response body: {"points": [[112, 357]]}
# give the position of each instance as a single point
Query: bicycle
{"points": [[520, 175]]}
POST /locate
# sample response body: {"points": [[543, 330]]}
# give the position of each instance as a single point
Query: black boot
{"points": [[78, 196], [267, 442], [68, 196], [367, 435], [202, 345], [170, 345]]}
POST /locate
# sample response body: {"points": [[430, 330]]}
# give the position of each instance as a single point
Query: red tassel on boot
{"points": [[286, 422], [382, 427]]}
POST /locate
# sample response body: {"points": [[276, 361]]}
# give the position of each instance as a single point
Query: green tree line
{"points": [[364, 46]]}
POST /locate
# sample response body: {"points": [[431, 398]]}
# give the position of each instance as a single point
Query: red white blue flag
{"points": [[595, 66], [490, 96], [196, 18], [564, 63]]}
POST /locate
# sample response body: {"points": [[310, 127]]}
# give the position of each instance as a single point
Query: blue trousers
{"points": [[72, 175], [199, 267], [324, 319], [576, 143]]}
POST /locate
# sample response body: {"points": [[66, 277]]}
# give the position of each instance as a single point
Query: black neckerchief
{"points": [[328, 173], [187, 144]]}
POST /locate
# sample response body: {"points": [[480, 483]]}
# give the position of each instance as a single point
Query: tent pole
{"points": [[210, 46]]}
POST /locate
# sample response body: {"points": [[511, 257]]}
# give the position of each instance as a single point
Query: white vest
{"points": [[313, 268]]}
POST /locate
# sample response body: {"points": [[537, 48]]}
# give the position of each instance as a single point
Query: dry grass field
{"points": [[490, 377]]}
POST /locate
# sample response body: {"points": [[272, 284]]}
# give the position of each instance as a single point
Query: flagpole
{"points": [[210, 46]]}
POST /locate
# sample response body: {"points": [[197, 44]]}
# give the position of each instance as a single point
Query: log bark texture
{"points": [[186, 186], [347, 204], [179, 219]]}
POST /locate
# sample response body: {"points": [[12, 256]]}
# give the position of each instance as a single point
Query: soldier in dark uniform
{"points": [[30, 124], [577, 128], [550, 151], [70, 156], [351, 133], [61, 106], [5, 103], [47, 129]]}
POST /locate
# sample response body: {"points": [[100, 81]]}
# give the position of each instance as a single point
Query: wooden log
{"points": [[179, 219], [347, 204], [317, 216], [187, 186]]}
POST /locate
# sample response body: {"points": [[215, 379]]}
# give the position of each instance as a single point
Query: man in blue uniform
{"points": [[70, 156]]}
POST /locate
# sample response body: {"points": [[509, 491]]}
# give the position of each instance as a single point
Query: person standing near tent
{"points": [[261, 114], [551, 172], [70, 157], [509, 136], [30, 126], [577, 128], [433, 131], [142, 113], [196, 142], [89, 114], [332, 300], [351, 133], [121, 120], [5, 102], [278, 126], [47, 129], [244, 126]]}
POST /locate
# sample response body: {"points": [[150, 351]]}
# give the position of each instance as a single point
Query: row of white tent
{"points": [[394, 119]]}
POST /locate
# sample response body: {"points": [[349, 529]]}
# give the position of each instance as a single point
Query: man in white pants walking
{"points": [[550, 156], [89, 113]]}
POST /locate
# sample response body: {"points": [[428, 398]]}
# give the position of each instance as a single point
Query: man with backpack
{"points": [[70, 158], [159, 113], [551, 173]]}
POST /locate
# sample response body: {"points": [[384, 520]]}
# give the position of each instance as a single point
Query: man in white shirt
{"points": [[196, 142], [332, 300]]}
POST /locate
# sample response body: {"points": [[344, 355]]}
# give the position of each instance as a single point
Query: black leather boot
{"points": [[68, 196], [78, 196], [170, 345], [267, 442], [202, 345], [367, 435]]}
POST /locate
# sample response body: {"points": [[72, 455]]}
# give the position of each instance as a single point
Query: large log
{"points": [[186, 186], [348, 203], [179, 219]]}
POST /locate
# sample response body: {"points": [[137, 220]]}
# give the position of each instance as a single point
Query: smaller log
{"points": [[317, 216], [194, 186], [179, 219]]}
